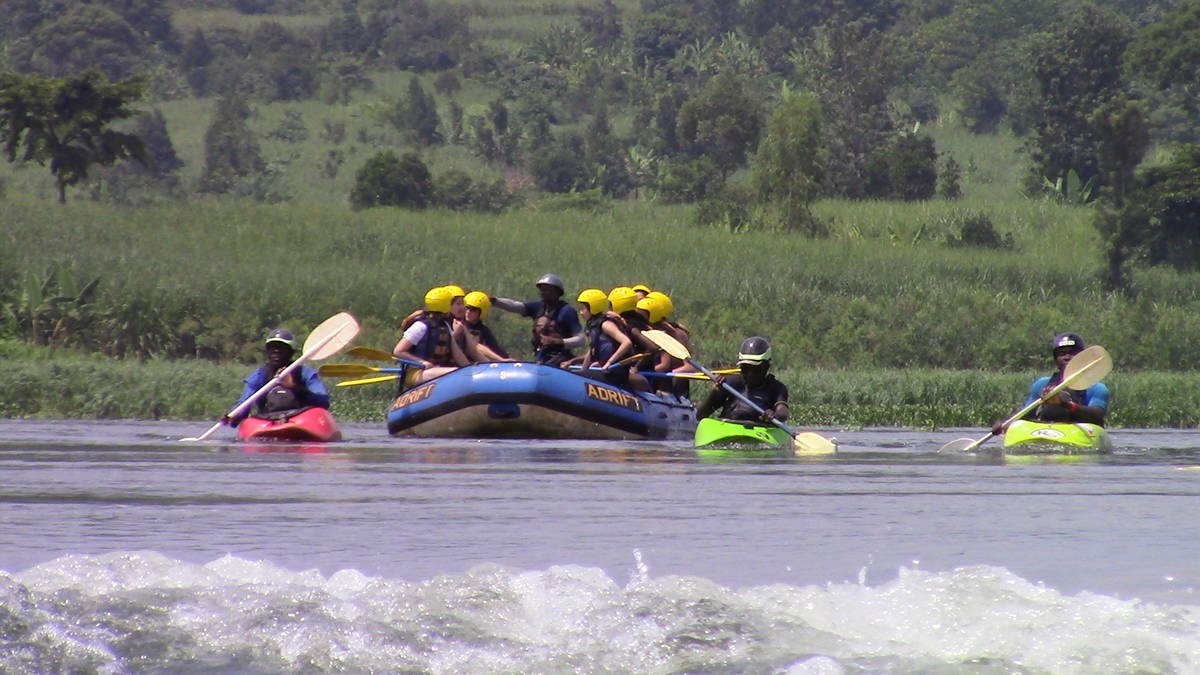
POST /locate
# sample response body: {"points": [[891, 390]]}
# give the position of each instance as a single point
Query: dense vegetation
{"points": [[872, 184]]}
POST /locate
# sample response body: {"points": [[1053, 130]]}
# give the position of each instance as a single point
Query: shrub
{"points": [[974, 229], [388, 180]]}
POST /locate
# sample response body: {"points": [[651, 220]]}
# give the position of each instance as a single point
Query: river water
{"points": [[123, 550]]}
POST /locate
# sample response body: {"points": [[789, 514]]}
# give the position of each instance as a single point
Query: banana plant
{"points": [[50, 308], [1070, 189]]}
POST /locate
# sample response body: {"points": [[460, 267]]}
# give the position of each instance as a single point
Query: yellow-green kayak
{"points": [[1030, 437], [712, 431]]}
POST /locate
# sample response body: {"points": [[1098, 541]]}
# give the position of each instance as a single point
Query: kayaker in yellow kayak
{"points": [[1069, 405], [755, 382]]}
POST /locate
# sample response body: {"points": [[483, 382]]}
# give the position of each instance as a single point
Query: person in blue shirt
{"points": [[556, 328], [302, 388], [1070, 405]]}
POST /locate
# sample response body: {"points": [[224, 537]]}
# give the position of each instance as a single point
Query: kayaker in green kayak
{"points": [[1070, 405], [755, 382]]}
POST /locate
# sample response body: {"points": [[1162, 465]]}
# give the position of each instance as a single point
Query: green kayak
{"points": [[713, 431], [1030, 437]]}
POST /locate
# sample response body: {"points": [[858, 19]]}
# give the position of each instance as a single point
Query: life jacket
{"points": [[435, 346], [486, 337], [766, 395], [545, 324], [635, 324], [600, 344], [278, 397], [1054, 413]]}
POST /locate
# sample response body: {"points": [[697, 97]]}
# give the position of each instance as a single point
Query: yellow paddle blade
{"points": [[370, 354], [811, 443], [328, 338], [1088, 367], [346, 370], [368, 380], [668, 343]]}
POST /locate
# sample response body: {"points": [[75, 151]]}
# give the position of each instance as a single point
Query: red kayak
{"points": [[306, 424]]}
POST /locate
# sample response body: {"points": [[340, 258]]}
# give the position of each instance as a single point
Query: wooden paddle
{"points": [[1085, 369], [804, 443], [324, 341]]}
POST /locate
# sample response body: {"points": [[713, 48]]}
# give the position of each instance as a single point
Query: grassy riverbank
{"points": [[76, 386], [882, 323]]}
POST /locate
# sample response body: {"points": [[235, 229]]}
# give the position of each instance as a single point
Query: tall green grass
{"points": [[852, 300], [72, 386]]}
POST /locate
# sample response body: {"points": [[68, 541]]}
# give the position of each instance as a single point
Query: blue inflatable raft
{"points": [[529, 400]]}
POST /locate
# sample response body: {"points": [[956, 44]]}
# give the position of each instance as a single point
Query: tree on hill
{"points": [[1168, 52], [56, 38], [1075, 68], [601, 23], [280, 65], [388, 180], [852, 76], [84, 36], [231, 151], [417, 35], [140, 182], [1157, 220], [721, 122], [416, 115], [1171, 194], [789, 165], [65, 123]]}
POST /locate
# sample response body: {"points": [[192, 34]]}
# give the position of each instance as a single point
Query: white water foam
{"points": [[144, 612]]}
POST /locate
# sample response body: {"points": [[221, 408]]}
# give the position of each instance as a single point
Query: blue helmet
{"points": [[1069, 341]]}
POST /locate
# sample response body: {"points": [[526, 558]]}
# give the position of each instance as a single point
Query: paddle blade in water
{"points": [[810, 443], [962, 444]]}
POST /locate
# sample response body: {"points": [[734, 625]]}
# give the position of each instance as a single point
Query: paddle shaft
{"points": [[368, 380], [245, 405]]}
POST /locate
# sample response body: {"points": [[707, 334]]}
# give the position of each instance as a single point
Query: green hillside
{"points": [[928, 285]]}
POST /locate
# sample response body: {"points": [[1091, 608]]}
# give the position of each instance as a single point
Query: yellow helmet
{"points": [[641, 288], [595, 299], [668, 307], [622, 299], [439, 299], [455, 291], [653, 307], [480, 301]]}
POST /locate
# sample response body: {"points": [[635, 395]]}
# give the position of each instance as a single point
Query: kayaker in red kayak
{"points": [[755, 382], [300, 389], [1069, 405]]}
